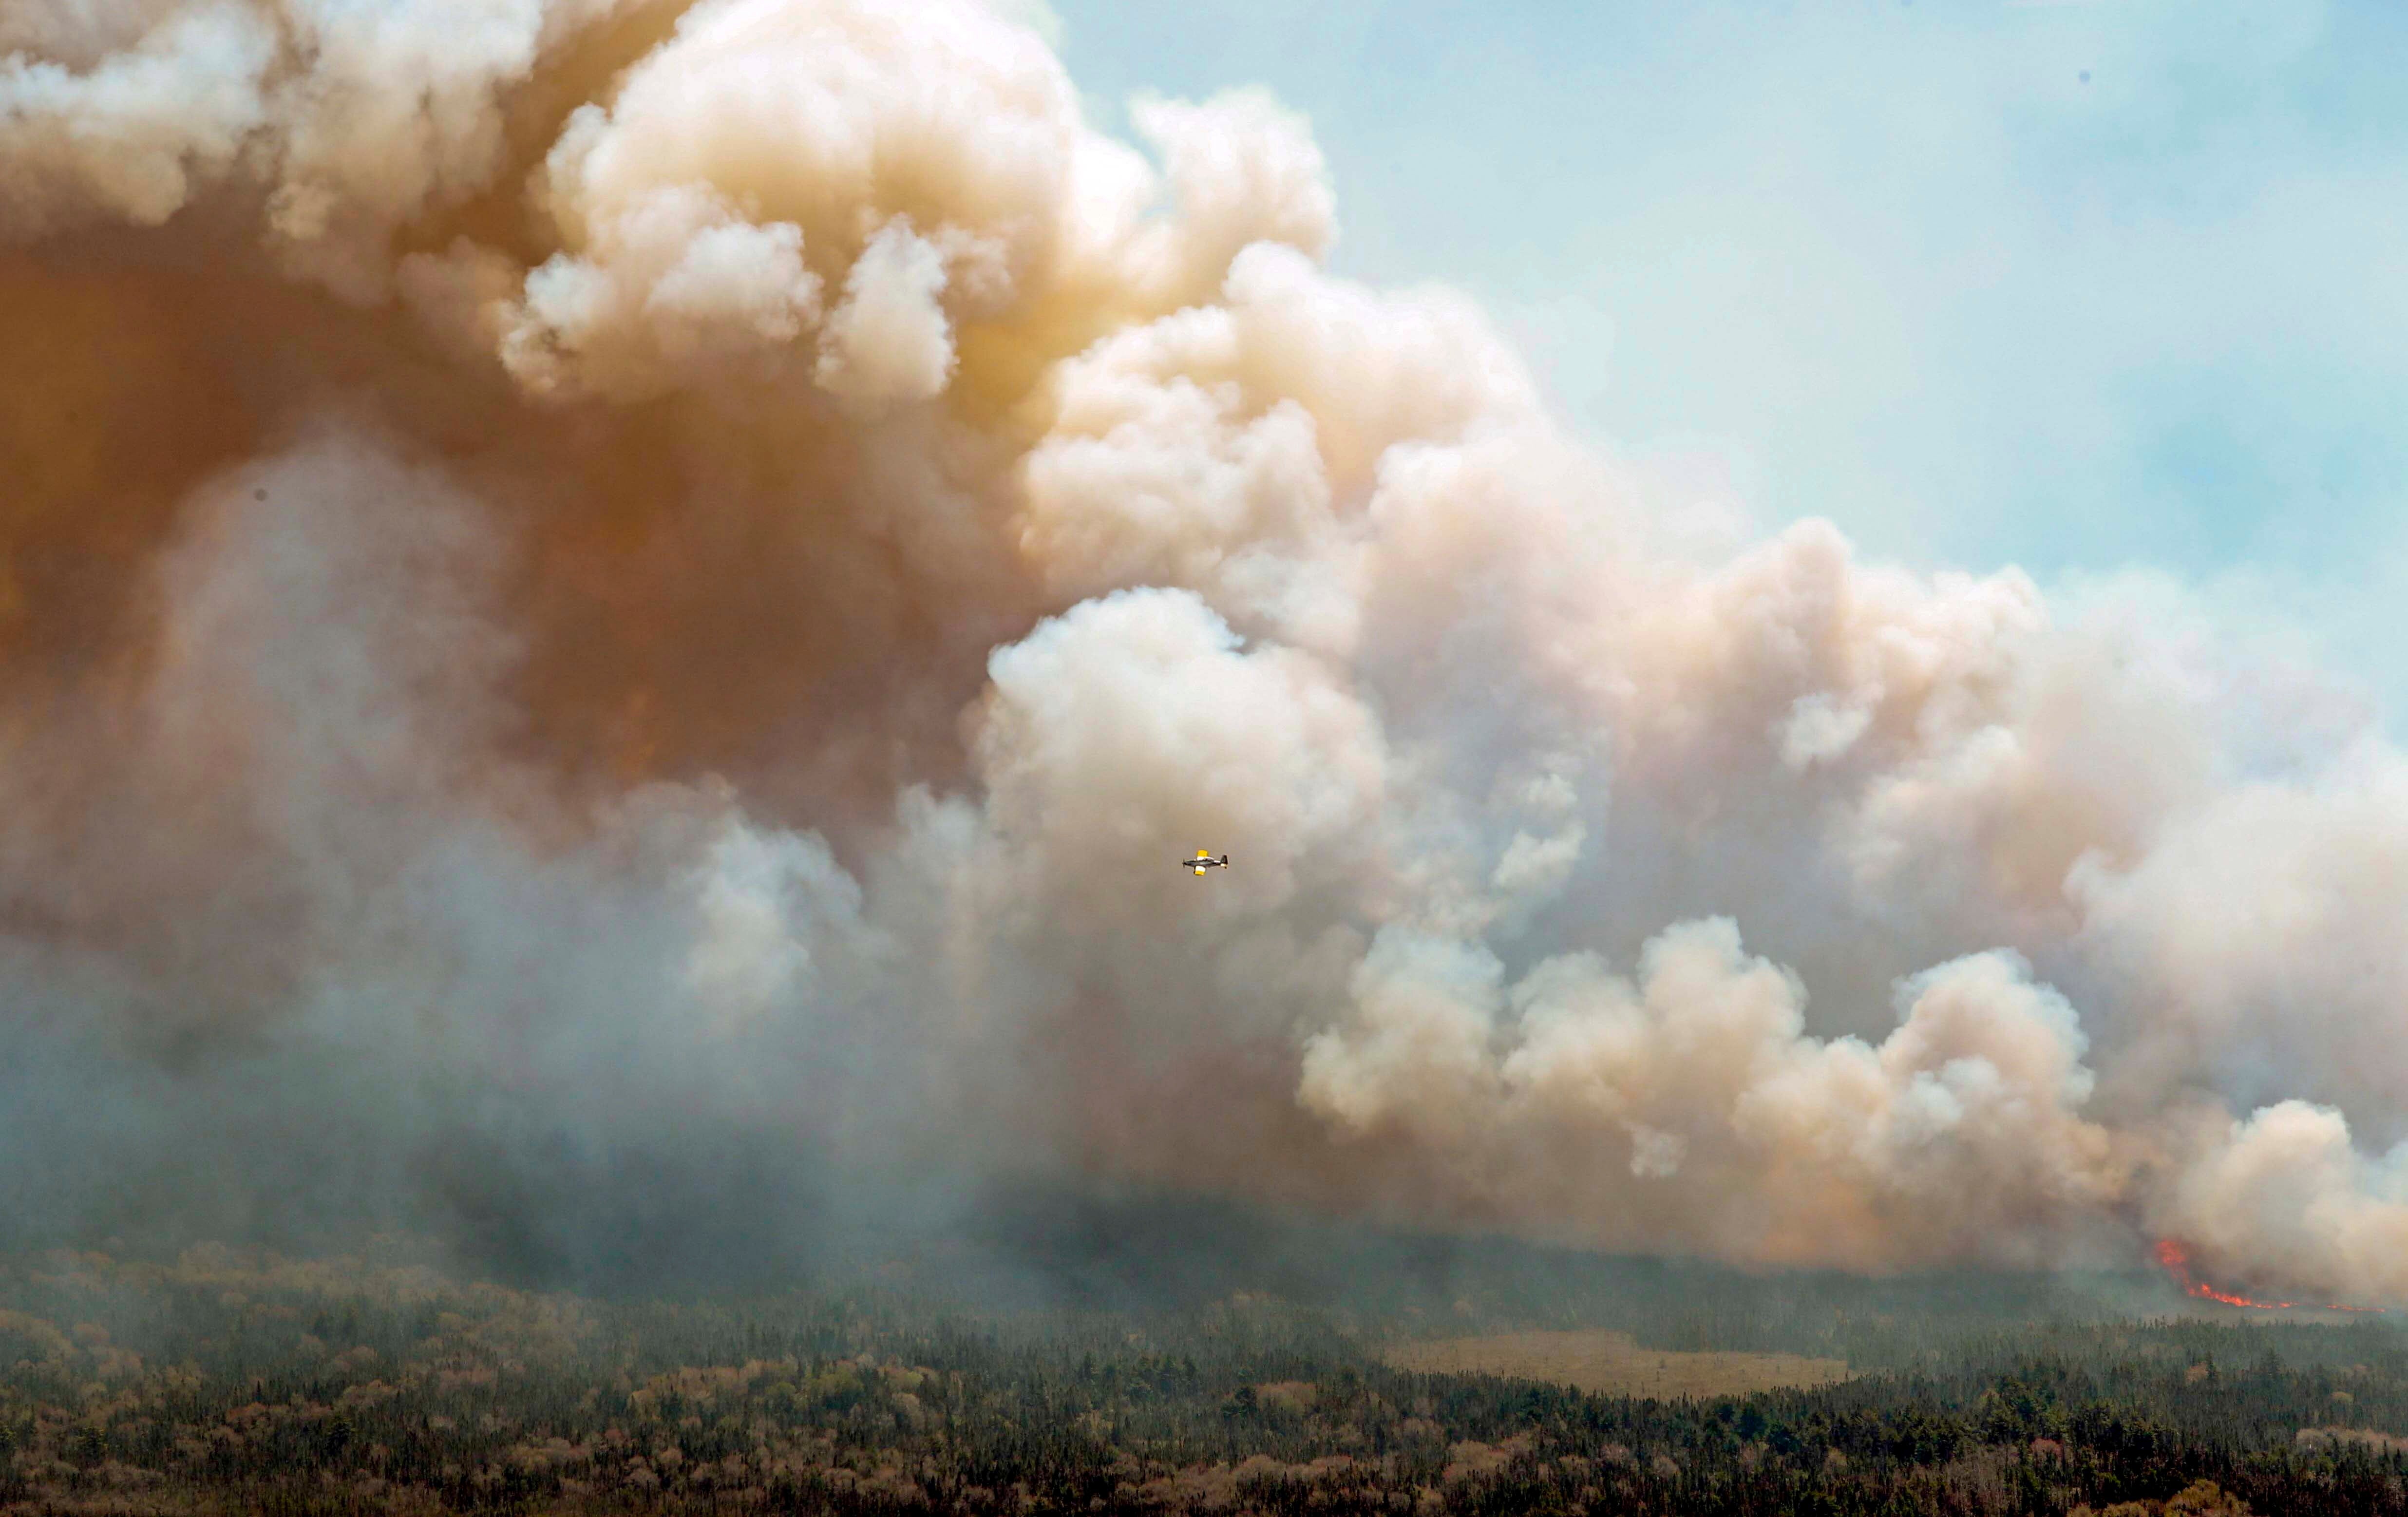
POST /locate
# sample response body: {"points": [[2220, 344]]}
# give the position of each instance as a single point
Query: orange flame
{"points": [[2176, 1260]]}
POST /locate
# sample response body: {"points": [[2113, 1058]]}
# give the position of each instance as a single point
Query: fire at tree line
{"points": [[214, 1381]]}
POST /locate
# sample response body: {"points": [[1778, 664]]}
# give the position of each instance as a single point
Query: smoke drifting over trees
{"points": [[615, 612]]}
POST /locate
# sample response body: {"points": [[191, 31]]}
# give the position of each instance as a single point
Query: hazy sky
{"points": [[1900, 263]]}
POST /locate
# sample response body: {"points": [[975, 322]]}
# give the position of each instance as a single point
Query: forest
{"points": [[217, 1380]]}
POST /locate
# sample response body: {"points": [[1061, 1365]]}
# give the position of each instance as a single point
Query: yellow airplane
{"points": [[1203, 861]]}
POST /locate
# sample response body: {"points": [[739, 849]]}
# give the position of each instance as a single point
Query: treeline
{"points": [[218, 1384], [1148, 1253]]}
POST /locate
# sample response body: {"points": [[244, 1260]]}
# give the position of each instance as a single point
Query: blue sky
{"points": [[1898, 264]]}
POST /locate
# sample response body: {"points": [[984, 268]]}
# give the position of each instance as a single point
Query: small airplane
{"points": [[1203, 861]]}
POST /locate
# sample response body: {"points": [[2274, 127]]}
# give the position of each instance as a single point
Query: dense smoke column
{"points": [[611, 616]]}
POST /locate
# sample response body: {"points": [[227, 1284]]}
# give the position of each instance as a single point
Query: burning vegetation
{"points": [[2175, 1258]]}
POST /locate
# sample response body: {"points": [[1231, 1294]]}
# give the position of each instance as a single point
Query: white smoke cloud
{"points": [[1692, 1104], [889, 343], [127, 136], [675, 285], [1243, 171], [787, 538]]}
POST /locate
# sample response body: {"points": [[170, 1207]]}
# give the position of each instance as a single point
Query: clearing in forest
{"points": [[1611, 1364]]}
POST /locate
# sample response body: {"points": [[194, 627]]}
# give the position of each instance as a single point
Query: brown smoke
{"points": [[574, 575]]}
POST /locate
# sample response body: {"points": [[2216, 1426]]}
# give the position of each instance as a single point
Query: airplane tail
{"points": [[1224, 861]]}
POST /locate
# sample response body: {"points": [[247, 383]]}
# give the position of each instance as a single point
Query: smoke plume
{"points": [[613, 611]]}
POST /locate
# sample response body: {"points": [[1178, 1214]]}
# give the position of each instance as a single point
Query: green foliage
{"points": [[273, 1388]]}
